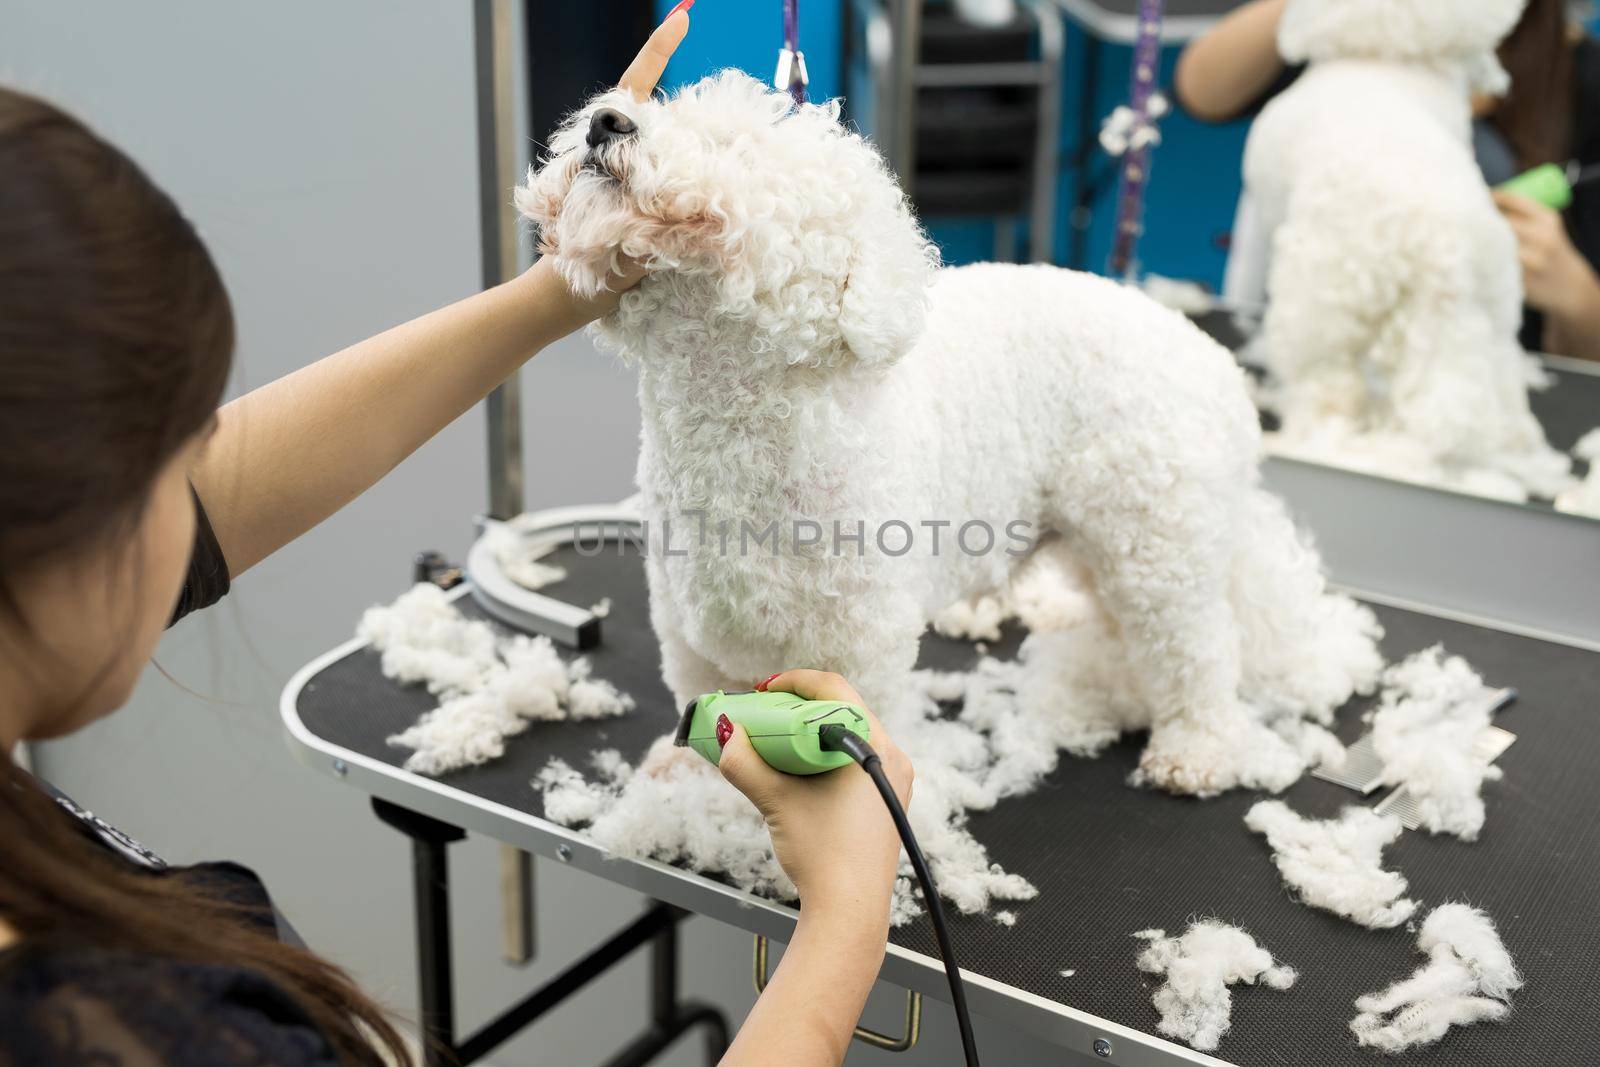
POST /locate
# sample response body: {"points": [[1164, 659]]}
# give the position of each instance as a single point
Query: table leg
{"points": [[670, 1017], [430, 879]]}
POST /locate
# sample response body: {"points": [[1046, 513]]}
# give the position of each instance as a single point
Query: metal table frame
{"points": [[670, 1017]]}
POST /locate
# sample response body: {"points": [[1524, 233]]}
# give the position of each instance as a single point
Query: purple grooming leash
{"points": [[791, 74], [1138, 123]]}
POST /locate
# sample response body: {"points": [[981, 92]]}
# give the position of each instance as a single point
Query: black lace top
{"points": [[68, 1005]]}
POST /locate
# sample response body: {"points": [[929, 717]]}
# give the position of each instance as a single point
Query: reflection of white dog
{"points": [[801, 360], [1394, 286]]}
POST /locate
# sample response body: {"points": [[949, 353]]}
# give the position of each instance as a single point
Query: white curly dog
{"points": [[1395, 294], [818, 398]]}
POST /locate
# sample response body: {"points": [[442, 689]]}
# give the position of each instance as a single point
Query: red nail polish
{"points": [[683, 5], [761, 687], [724, 731]]}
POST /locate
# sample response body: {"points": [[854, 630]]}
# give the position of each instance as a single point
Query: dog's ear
{"points": [[885, 300]]}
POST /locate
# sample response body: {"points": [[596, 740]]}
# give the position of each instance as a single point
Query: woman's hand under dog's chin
{"points": [[573, 311]]}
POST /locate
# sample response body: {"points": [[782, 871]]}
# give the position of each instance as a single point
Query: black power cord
{"points": [[836, 738]]}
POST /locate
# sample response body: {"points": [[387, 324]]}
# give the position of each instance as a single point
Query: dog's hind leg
{"points": [[1163, 574], [1305, 650]]}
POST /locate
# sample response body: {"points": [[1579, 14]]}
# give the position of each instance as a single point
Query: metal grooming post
{"points": [[1047, 143], [906, 44], [499, 167]]}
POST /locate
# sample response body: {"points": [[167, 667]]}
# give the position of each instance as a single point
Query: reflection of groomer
{"points": [[1552, 115]]}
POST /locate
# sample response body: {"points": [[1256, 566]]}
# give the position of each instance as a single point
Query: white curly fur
{"points": [[1395, 291], [1426, 730], [490, 687], [1195, 1004], [1337, 864], [1469, 978], [800, 356]]}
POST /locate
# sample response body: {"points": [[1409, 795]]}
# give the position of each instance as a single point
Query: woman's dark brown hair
{"points": [[1536, 116], [116, 339]]}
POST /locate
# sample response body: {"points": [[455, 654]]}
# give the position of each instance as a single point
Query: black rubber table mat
{"points": [[1109, 860], [1568, 409]]}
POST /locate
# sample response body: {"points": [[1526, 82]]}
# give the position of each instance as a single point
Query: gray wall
{"points": [[327, 152]]}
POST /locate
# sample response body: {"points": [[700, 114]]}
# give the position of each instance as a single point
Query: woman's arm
{"points": [[837, 842], [1556, 278], [286, 456], [1231, 64]]}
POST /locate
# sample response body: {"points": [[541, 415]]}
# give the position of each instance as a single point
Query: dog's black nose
{"points": [[607, 125]]}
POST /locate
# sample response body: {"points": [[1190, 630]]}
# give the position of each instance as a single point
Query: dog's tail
{"points": [[1306, 650]]}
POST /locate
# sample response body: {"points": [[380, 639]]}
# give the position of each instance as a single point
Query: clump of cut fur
{"points": [[1195, 1003], [1469, 978], [1337, 865], [490, 687], [519, 561], [1426, 728], [639, 813]]}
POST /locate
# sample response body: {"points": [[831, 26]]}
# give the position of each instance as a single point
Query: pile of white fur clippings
{"points": [[1337, 864], [1585, 498], [1469, 978], [677, 808], [1426, 728], [1069, 691], [490, 687], [1072, 689], [1195, 1003]]}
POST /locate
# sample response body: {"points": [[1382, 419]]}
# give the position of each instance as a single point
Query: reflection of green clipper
{"points": [[1552, 184], [782, 727]]}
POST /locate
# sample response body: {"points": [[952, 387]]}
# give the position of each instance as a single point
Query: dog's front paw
{"points": [[1188, 773], [1195, 761]]}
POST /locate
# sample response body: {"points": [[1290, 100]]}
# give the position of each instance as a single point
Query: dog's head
{"points": [[746, 209], [1463, 31]]}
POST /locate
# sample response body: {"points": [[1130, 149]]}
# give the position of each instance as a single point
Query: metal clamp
{"points": [[903, 1043]]}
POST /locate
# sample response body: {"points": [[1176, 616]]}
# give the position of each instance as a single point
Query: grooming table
{"points": [[1107, 859]]}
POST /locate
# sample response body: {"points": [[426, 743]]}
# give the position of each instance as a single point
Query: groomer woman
{"points": [[1552, 115], [127, 498]]}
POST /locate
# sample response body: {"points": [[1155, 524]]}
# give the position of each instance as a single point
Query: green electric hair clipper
{"points": [[782, 727]]}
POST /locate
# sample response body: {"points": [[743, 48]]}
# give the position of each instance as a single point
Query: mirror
{"points": [[1419, 220], [1336, 212]]}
